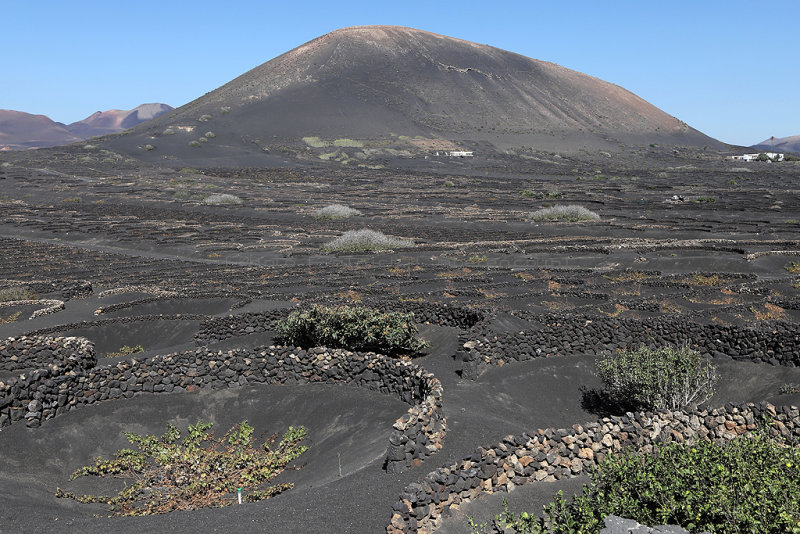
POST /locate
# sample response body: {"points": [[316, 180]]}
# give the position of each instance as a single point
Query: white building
{"points": [[773, 156], [460, 154]]}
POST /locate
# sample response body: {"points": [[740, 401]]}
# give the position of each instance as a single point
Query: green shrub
{"points": [[568, 212], [199, 471], [646, 378], [221, 199], [552, 195], [354, 328], [11, 318], [335, 211], [10, 294], [315, 142], [751, 484], [351, 143], [364, 241], [125, 350]]}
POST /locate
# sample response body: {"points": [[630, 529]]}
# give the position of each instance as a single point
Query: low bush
{"points": [[198, 471], [751, 484], [355, 328], [567, 212], [335, 211], [11, 318], [10, 294], [125, 350], [552, 195], [364, 241], [647, 378], [221, 198]]}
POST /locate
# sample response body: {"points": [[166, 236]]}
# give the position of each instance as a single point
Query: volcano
{"points": [[372, 85]]}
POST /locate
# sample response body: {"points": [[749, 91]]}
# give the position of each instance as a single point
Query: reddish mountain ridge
{"points": [[116, 120], [20, 130]]}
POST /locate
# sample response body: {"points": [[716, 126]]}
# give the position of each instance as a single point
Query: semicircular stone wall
{"points": [[66, 378]]}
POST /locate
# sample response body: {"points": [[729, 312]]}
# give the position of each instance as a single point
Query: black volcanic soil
{"points": [[717, 252]]}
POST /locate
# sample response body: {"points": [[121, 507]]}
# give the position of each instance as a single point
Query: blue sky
{"points": [[728, 68]]}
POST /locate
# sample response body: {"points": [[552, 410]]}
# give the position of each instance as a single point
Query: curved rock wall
{"points": [[777, 343], [219, 329], [56, 388], [552, 454], [34, 352]]}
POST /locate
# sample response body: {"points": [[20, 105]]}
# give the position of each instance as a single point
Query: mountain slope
{"points": [[780, 144], [370, 82], [20, 130]]}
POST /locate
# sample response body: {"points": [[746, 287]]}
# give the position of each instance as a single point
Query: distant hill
{"points": [[780, 144], [20, 130], [116, 120], [378, 86]]}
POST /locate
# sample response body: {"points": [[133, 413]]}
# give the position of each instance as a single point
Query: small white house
{"points": [[460, 154], [773, 156]]}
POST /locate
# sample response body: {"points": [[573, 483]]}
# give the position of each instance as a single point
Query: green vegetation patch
{"points": [[540, 195], [355, 328], [568, 213], [11, 318], [335, 211], [352, 143], [168, 473], [125, 350], [364, 240], [315, 142], [751, 484], [646, 378], [221, 199], [11, 294]]}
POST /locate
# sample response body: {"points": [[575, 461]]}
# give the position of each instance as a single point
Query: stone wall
{"points": [[35, 352], [56, 388], [439, 314], [552, 454], [221, 328], [45, 306], [777, 343]]}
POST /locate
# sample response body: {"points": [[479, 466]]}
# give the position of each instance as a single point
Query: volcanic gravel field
{"points": [[685, 243]]}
